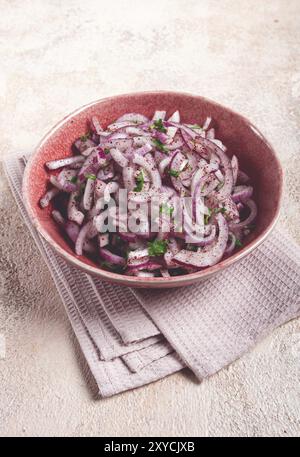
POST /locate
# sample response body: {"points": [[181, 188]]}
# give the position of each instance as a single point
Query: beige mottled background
{"points": [[56, 55]]}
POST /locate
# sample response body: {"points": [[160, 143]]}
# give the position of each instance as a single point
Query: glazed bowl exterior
{"points": [[255, 154]]}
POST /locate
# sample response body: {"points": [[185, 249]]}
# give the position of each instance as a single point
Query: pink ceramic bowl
{"points": [[255, 155]]}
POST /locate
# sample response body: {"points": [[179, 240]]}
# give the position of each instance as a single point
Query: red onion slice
{"points": [[133, 117], [235, 168], [55, 164], [119, 157], [88, 194], [242, 193], [208, 256], [111, 258], [253, 213], [47, 197], [148, 164], [57, 216], [73, 213]]}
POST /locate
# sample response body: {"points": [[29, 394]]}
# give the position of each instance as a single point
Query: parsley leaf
{"points": [[91, 176], [207, 216], [157, 247], [159, 145], [238, 243], [166, 209], [174, 173], [85, 137], [219, 210], [73, 179], [139, 182], [195, 126], [158, 125], [106, 151]]}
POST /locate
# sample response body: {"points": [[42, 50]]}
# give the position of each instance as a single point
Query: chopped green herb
{"points": [[139, 182], [85, 137], [157, 247], [166, 209], [106, 151], [90, 176], [219, 186], [195, 126], [73, 179], [238, 243], [158, 125], [219, 210], [174, 173], [207, 216], [159, 145]]}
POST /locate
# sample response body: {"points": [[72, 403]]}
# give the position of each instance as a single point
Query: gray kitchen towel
{"points": [[133, 337]]}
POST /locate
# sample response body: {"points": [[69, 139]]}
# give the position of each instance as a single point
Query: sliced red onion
{"points": [[235, 168], [72, 231], [57, 216], [133, 117], [160, 136], [231, 244], [95, 124], [140, 141], [164, 164], [142, 197], [219, 144], [92, 164], [148, 164], [165, 273], [176, 143], [82, 145], [171, 131], [242, 193], [226, 189], [202, 241], [144, 149], [47, 197], [73, 212], [137, 131], [128, 177], [54, 164], [64, 185], [99, 189], [159, 115], [81, 237], [253, 213], [119, 157], [111, 258], [88, 194], [210, 255], [207, 123], [176, 164], [210, 134], [119, 143]]}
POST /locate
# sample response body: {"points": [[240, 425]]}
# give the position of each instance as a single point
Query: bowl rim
{"points": [[135, 281]]}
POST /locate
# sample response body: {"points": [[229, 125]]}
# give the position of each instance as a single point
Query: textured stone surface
{"points": [[56, 56]]}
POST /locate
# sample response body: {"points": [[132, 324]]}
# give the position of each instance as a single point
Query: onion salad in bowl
{"points": [[151, 197]]}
